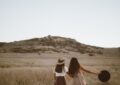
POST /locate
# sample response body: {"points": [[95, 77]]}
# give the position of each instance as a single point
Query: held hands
{"points": [[96, 73]]}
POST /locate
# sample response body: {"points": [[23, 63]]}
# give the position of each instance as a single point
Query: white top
{"points": [[63, 73]]}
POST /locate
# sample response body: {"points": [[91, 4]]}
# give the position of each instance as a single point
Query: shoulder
{"points": [[81, 67]]}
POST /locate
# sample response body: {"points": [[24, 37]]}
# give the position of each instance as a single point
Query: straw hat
{"points": [[61, 61]]}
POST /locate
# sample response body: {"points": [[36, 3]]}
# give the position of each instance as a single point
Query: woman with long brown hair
{"points": [[60, 72], [76, 72]]}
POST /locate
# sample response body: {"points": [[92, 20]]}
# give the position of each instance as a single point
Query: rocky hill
{"points": [[54, 44]]}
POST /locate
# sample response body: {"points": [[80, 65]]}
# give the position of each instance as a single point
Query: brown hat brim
{"points": [[60, 63]]}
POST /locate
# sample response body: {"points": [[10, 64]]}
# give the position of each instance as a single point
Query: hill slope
{"points": [[55, 44]]}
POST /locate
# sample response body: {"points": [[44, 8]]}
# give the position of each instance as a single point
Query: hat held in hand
{"points": [[104, 76]]}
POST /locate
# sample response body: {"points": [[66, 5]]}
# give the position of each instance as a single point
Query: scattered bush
{"points": [[91, 54]]}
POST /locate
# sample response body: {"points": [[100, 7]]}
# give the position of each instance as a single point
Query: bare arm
{"points": [[88, 71]]}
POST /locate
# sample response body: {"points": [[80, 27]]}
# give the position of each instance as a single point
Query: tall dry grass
{"points": [[26, 77], [44, 76]]}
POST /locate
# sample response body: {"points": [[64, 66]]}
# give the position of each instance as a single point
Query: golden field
{"points": [[34, 69]]}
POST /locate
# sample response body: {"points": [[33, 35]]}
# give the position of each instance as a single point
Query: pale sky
{"points": [[92, 22]]}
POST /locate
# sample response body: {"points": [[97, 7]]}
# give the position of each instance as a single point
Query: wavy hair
{"points": [[74, 67]]}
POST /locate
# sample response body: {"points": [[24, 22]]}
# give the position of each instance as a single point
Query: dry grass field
{"points": [[31, 62], [34, 69]]}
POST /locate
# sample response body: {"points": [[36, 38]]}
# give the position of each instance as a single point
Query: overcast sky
{"points": [[93, 22]]}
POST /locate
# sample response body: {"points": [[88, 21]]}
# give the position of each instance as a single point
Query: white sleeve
{"points": [[66, 69]]}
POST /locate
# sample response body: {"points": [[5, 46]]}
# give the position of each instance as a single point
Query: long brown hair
{"points": [[73, 67]]}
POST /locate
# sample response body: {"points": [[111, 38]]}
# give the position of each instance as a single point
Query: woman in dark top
{"points": [[60, 72]]}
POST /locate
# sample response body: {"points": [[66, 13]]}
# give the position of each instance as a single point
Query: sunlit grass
{"points": [[37, 76]]}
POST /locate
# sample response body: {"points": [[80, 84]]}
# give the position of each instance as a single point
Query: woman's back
{"points": [[78, 79], [59, 72], [75, 71]]}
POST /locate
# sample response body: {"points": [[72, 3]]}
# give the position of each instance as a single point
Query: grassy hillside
{"points": [[55, 44]]}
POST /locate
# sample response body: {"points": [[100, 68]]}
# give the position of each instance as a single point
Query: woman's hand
{"points": [[96, 73]]}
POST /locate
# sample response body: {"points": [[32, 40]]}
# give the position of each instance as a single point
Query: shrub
{"points": [[91, 54]]}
